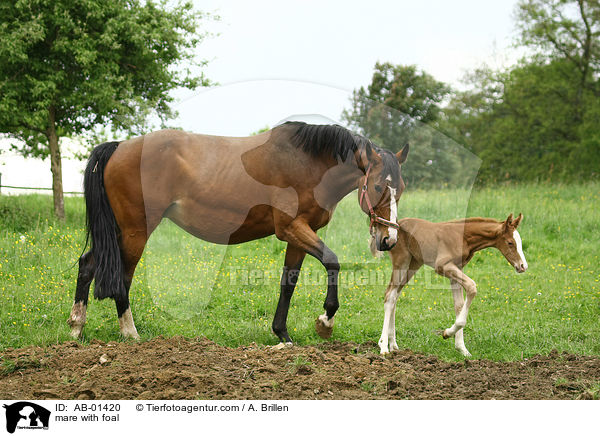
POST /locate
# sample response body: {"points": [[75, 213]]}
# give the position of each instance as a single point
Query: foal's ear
{"points": [[517, 221], [508, 223], [402, 154]]}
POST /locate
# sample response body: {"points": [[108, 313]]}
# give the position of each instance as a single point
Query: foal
{"points": [[446, 247]]}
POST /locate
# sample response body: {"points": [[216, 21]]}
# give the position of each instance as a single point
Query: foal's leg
{"points": [[87, 269], [291, 270], [459, 301], [388, 331], [404, 270], [301, 235], [413, 267], [454, 273]]}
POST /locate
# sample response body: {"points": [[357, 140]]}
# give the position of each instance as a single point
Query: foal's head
{"points": [[510, 245], [379, 191]]}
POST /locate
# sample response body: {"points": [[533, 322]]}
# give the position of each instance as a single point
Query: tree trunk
{"points": [[55, 165]]}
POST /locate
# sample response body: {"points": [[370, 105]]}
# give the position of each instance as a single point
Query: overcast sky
{"points": [[305, 57], [274, 59]]}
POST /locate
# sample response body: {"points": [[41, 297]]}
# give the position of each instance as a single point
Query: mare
{"points": [[230, 190]]}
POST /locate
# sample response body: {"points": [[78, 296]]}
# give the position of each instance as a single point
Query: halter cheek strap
{"points": [[364, 195]]}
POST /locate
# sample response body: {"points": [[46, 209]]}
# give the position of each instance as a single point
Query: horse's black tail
{"points": [[102, 226]]}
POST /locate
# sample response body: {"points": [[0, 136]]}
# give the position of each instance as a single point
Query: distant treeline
{"points": [[538, 120]]}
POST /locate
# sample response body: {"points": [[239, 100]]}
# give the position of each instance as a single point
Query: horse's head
{"points": [[379, 190], [510, 245]]}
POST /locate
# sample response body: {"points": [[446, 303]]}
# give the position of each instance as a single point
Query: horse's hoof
{"points": [[465, 353], [76, 333], [323, 330], [133, 336], [76, 327]]}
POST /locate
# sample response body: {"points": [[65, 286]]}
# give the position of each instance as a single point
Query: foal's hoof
{"points": [[323, 327], [442, 333]]}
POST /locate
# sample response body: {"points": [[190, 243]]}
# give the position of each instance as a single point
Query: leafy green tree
{"points": [[70, 66], [538, 120], [566, 30]]}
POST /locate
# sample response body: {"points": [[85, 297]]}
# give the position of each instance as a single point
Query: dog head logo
{"points": [[26, 415]]}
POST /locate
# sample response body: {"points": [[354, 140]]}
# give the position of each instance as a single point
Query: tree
{"points": [[403, 104], [538, 120], [568, 30], [69, 67]]}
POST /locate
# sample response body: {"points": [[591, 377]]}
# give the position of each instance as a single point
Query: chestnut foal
{"points": [[446, 247]]}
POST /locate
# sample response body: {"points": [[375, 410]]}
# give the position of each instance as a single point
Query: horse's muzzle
{"points": [[384, 245]]}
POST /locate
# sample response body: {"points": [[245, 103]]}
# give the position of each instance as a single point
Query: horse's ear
{"points": [[364, 157], [508, 223], [402, 154], [517, 221]]}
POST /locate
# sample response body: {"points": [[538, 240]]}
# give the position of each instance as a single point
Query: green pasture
{"points": [[184, 286]]}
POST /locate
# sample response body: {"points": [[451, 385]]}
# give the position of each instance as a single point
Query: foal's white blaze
{"points": [[517, 239], [393, 233]]}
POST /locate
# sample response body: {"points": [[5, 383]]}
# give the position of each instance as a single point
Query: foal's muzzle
{"points": [[520, 267]]}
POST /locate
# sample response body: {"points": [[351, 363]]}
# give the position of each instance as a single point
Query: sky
{"points": [[274, 60]]}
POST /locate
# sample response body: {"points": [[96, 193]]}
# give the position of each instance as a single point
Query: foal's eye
{"points": [[378, 188], [510, 243]]}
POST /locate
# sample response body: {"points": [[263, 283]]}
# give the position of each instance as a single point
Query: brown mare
{"points": [[226, 190], [446, 247]]}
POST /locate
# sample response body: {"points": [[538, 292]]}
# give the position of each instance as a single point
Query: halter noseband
{"points": [[372, 215]]}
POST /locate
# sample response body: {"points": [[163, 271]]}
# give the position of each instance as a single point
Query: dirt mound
{"points": [[180, 368]]}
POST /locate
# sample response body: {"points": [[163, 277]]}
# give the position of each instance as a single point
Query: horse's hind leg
{"points": [[456, 275], [291, 270], [132, 247], [87, 268], [459, 301]]}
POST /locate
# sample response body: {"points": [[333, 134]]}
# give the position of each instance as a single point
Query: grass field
{"points": [[184, 286]]}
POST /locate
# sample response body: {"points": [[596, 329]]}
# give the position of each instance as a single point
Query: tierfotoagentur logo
{"points": [[24, 415]]}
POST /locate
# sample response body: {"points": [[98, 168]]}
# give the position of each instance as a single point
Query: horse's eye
{"points": [[378, 188], [510, 243]]}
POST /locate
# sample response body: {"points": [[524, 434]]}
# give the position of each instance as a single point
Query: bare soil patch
{"points": [[181, 368]]}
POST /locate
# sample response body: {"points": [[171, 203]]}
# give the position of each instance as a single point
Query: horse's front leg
{"points": [[291, 270], [324, 323], [388, 331], [299, 234]]}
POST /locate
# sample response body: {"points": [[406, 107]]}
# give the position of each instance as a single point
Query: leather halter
{"points": [[372, 215]]}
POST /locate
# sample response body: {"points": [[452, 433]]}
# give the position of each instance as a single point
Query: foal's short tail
{"points": [[102, 226], [373, 246]]}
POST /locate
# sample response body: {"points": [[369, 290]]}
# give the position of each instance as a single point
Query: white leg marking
{"points": [[461, 316], [128, 329], [388, 331], [326, 321], [77, 319], [517, 238]]}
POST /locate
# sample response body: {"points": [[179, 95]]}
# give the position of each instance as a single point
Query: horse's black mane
{"points": [[326, 139], [336, 141]]}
